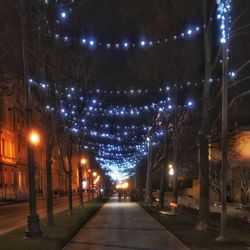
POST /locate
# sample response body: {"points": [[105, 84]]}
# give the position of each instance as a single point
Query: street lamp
{"points": [[34, 138], [33, 229], [83, 161], [170, 170]]}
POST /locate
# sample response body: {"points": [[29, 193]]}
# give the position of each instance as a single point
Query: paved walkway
{"points": [[123, 225]]}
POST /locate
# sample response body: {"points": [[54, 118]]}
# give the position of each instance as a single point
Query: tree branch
{"points": [[239, 81], [238, 17], [245, 93]]}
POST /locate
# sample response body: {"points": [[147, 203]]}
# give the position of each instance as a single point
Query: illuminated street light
{"points": [[83, 161], [33, 222], [123, 185], [34, 138], [84, 184], [170, 170]]}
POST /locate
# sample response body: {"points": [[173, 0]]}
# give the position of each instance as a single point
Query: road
{"points": [[123, 225], [15, 215]]}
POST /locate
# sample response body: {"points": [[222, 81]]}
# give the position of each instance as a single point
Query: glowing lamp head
{"points": [[84, 184], [171, 171], [34, 138], [83, 161], [94, 174], [92, 43], [125, 185]]}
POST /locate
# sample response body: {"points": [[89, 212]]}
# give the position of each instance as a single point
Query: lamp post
{"points": [[81, 164], [33, 229], [33, 221], [175, 147]]}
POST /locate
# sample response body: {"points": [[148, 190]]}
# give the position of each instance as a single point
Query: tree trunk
{"points": [[204, 130], [50, 218], [70, 187], [204, 184], [80, 185], [162, 186]]}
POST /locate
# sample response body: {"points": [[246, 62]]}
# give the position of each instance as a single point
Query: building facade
{"points": [[238, 177], [13, 148]]}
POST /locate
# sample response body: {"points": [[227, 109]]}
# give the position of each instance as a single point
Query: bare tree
{"points": [[215, 177], [245, 182]]}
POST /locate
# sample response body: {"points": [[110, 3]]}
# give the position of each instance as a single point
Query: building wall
{"points": [[238, 155], [13, 148]]}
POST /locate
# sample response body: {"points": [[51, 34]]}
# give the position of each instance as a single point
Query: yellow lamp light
{"points": [[34, 138]]}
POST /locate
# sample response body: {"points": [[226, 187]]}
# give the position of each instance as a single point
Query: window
{"points": [[1, 176], [19, 147], [12, 149], [18, 123], [10, 118], [3, 147], [20, 180]]}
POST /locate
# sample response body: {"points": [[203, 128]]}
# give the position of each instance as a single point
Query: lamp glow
{"points": [[34, 138]]}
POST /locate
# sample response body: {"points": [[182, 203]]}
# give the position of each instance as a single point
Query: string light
{"points": [[223, 10], [125, 45]]}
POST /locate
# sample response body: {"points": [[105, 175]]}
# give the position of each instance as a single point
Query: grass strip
{"points": [[55, 237], [182, 225]]}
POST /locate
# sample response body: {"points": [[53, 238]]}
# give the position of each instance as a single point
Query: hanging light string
{"points": [[93, 43], [111, 153]]}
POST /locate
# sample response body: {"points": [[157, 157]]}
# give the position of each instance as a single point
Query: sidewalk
{"points": [[123, 225]]}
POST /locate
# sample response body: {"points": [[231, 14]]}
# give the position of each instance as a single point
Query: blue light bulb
{"points": [[63, 15], [143, 43]]}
